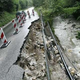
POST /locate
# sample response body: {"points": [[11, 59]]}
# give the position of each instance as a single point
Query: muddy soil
{"points": [[32, 57]]}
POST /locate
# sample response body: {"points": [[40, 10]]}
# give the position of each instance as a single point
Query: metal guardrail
{"points": [[59, 49], [46, 56], [60, 52]]}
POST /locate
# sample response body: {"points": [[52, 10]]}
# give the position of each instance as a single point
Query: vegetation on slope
{"points": [[52, 8]]}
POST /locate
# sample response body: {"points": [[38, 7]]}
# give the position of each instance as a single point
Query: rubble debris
{"points": [[64, 28], [69, 22], [62, 66], [73, 25], [56, 52], [32, 58], [72, 70], [33, 62], [78, 74], [55, 47], [48, 42]]}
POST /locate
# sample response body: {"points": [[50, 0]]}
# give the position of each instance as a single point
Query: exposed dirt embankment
{"points": [[32, 57]]}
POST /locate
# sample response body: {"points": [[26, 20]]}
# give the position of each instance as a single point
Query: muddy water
{"points": [[66, 30]]}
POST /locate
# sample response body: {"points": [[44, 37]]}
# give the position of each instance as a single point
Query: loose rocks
{"points": [[32, 58]]}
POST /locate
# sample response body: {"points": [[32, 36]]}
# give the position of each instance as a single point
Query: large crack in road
{"points": [[32, 57], [8, 55]]}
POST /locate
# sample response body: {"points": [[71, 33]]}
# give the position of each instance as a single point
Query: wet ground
{"points": [[66, 30]]}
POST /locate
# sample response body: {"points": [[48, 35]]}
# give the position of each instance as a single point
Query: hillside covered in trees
{"points": [[8, 9], [50, 8], [65, 8]]}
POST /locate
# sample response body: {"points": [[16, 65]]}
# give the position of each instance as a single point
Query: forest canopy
{"points": [[8, 9], [12, 5], [51, 8]]}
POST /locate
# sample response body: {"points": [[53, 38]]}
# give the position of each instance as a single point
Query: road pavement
{"points": [[9, 55]]}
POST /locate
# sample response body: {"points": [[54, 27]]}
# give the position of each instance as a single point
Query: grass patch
{"points": [[37, 9], [6, 17], [47, 14]]}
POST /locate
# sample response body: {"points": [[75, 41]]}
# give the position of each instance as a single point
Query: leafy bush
{"points": [[70, 11], [6, 17], [23, 4], [48, 15], [77, 14]]}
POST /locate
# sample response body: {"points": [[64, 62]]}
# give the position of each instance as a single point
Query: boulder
{"points": [[40, 74], [65, 28], [73, 25], [56, 52], [32, 68], [28, 72], [34, 78], [78, 74], [69, 22], [59, 59], [77, 26], [72, 70], [32, 54], [48, 42], [33, 62], [27, 47]]}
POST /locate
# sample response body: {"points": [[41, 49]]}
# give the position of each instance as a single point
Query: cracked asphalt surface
{"points": [[9, 55]]}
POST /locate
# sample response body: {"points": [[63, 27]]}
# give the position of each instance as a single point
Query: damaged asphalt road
{"points": [[9, 55]]}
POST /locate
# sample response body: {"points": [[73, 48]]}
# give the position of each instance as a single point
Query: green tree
{"points": [[23, 4], [6, 5], [38, 3]]}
